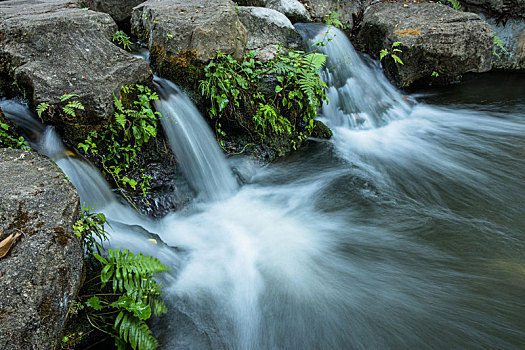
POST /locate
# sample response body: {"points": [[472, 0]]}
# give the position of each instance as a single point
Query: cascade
{"points": [[360, 95], [193, 143], [414, 240]]}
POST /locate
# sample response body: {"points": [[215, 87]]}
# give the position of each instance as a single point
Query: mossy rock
{"points": [[321, 131]]}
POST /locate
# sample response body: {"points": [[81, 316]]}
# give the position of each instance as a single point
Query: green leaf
{"points": [[42, 107], [94, 303], [66, 97], [397, 59], [382, 54]]}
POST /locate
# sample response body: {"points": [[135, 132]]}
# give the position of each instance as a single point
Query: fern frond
{"points": [[75, 104], [41, 108], [69, 111], [120, 119], [66, 97], [135, 331], [316, 60]]}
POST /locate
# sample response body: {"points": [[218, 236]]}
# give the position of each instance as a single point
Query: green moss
{"points": [[183, 69], [321, 131]]}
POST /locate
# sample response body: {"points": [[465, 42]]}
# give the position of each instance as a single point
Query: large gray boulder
{"points": [[317, 10], [293, 9], [40, 275], [438, 43], [49, 48], [179, 29], [119, 10], [267, 27]]}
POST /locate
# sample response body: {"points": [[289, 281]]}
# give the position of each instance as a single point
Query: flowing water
{"points": [[405, 231]]}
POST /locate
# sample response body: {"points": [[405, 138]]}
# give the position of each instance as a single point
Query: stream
{"points": [[405, 231]]}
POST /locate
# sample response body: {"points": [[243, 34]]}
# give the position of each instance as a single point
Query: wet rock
{"points": [[293, 9], [500, 9], [119, 10], [438, 43], [51, 48], [40, 275], [267, 27], [349, 10], [512, 35], [174, 28], [321, 131], [507, 19]]}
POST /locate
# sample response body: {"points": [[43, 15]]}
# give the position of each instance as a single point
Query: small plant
{"points": [[498, 44], [452, 3], [70, 108], [385, 52], [9, 141], [90, 228], [119, 142], [126, 294], [332, 18], [122, 39]]}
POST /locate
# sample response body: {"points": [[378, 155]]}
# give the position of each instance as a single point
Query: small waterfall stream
{"points": [[193, 143], [403, 232]]}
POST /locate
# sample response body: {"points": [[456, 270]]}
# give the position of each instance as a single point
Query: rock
{"points": [[258, 3], [179, 27], [502, 9], [320, 10], [40, 275], [321, 131], [434, 38], [50, 48], [293, 9], [512, 35], [267, 27], [119, 10]]}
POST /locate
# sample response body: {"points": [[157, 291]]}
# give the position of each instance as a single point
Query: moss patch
{"points": [[183, 69]]}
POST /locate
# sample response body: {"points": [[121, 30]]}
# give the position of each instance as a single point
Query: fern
{"points": [[41, 108], [134, 331], [127, 271], [66, 97], [121, 38]]}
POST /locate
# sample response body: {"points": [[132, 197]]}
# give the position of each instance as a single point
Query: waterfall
{"points": [[193, 143], [360, 95], [403, 232], [91, 186]]}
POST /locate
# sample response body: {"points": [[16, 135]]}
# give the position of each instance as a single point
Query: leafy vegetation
{"points": [[117, 144], [9, 141], [498, 45], [392, 52], [455, 4], [90, 228], [70, 107], [122, 39], [276, 98], [125, 294], [332, 18]]}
